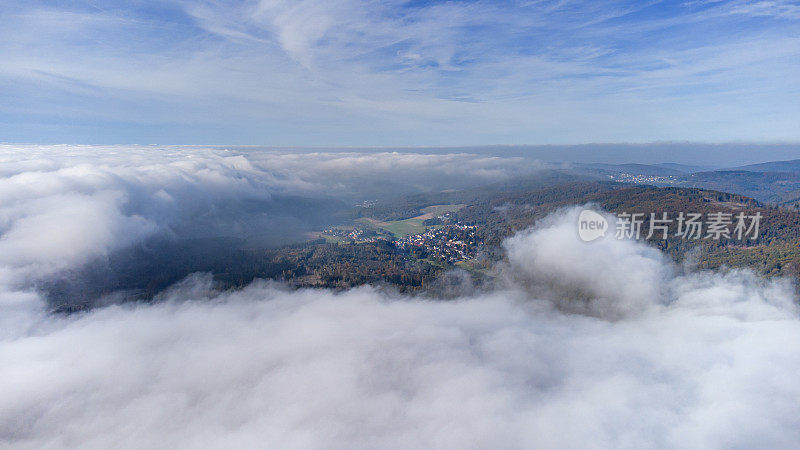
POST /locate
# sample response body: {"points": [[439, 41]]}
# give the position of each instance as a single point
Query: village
{"points": [[449, 243], [643, 179], [357, 234]]}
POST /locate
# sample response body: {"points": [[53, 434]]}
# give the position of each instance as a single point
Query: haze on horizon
{"points": [[399, 73]]}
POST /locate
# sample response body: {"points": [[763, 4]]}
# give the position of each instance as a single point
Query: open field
{"points": [[429, 212], [313, 235], [414, 225], [398, 228], [402, 228]]}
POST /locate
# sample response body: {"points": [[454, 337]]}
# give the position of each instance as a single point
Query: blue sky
{"points": [[384, 73]]}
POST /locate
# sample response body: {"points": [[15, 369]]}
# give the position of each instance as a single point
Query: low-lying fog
{"points": [[606, 344]]}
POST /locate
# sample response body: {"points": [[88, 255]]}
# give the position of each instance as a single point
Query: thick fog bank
{"points": [[79, 221], [601, 345]]}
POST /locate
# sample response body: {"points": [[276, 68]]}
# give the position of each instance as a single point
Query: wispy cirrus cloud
{"points": [[368, 72]]}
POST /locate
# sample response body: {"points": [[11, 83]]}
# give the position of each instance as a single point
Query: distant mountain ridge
{"points": [[792, 165], [633, 169], [774, 182], [687, 168]]}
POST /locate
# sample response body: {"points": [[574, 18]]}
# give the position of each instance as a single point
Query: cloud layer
{"points": [[668, 359], [67, 212]]}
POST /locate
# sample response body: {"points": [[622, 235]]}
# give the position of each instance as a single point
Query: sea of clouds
{"points": [[604, 344], [63, 207]]}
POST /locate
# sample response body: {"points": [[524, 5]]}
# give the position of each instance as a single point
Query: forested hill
{"points": [[497, 212], [775, 251]]}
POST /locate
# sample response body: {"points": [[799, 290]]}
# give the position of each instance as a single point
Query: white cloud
{"points": [[607, 277], [62, 206], [603, 343], [703, 363], [780, 8]]}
